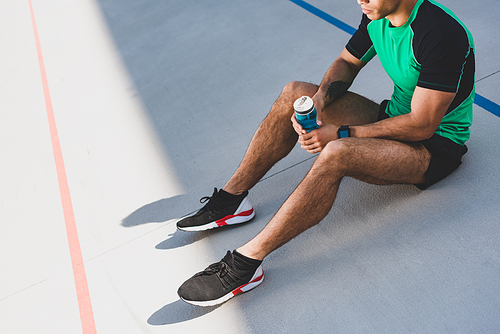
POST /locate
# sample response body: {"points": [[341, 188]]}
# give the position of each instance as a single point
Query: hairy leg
{"points": [[375, 160], [351, 109], [275, 137]]}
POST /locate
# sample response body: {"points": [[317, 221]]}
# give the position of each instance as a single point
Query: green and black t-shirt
{"points": [[433, 50]]}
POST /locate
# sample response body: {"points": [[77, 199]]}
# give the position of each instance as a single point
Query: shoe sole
{"points": [[245, 212], [257, 278]]}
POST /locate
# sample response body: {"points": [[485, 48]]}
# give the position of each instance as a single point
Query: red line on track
{"points": [[82, 290]]}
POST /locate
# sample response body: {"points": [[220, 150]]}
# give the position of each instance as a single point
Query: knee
{"points": [[336, 154], [336, 148], [296, 89], [291, 87], [283, 107]]}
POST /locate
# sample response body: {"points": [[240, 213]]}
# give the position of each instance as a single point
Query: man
{"points": [[417, 137]]}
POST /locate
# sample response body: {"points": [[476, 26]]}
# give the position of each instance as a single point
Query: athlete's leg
{"points": [[275, 137], [374, 160]]}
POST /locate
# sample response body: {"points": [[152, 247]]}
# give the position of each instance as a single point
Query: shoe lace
{"points": [[215, 268], [213, 204], [225, 274]]}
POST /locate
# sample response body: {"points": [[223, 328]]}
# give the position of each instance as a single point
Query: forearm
{"points": [[428, 108], [337, 79], [402, 128]]}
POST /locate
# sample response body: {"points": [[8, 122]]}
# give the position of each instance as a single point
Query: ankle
{"points": [[243, 262], [249, 254], [232, 191], [229, 197]]}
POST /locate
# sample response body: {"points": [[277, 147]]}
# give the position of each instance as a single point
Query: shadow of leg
{"points": [[156, 212]]}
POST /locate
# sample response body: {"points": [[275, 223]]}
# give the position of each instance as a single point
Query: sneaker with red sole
{"points": [[218, 213], [220, 282]]}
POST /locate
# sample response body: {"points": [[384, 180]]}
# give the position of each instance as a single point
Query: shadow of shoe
{"points": [[178, 311], [156, 212], [182, 238]]}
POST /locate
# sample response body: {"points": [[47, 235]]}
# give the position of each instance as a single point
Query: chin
{"points": [[374, 17]]}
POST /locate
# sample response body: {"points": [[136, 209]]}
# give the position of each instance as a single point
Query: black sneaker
{"points": [[218, 212], [219, 282]]}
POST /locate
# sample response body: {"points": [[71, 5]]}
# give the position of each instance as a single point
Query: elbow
{"points": [[424, 133], [423, 128]]}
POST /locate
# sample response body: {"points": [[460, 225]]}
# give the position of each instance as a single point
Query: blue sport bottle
{"points": [[305, 113]]}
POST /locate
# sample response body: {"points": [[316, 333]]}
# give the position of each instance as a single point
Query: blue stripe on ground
{"points": [[486, 104], [327, 17], [480, 100]]}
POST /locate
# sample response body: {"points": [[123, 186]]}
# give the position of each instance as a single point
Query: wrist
{"points": [[318, 100]]}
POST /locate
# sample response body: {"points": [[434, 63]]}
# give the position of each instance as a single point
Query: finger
{"points": [[299, 131], [308, 148], [318, 117], [308, 142], [315, 150], [318, 103], [306, 137], [296, 125]]}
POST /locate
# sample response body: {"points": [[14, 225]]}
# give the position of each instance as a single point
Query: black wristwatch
{"points": [[344, 131]]}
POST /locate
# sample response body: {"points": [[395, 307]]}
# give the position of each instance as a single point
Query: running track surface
{"points": [[112, 161]]}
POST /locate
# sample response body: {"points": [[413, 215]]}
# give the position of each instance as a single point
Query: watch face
{"points": [[343, 134]]}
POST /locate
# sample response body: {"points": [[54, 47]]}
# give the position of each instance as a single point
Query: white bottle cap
{"points": [[303, 105]]}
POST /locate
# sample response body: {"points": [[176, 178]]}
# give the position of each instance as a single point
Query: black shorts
{"points": [[446, 155]]}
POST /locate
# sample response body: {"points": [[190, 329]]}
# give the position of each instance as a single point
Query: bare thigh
{"points": [[379, 161], [349, 109]]}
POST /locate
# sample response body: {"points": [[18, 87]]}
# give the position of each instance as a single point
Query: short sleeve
{"points": [[442, 55], [360, 45]]}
